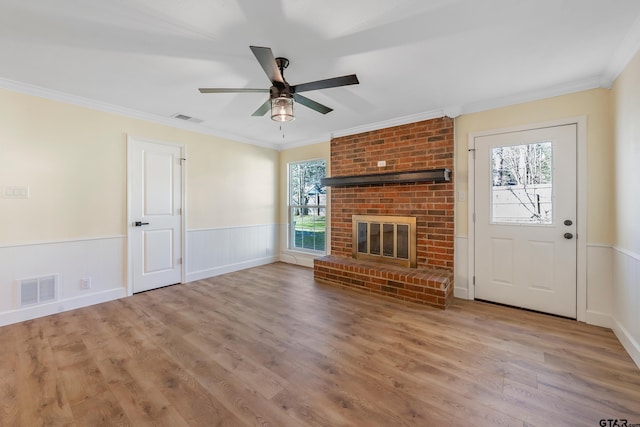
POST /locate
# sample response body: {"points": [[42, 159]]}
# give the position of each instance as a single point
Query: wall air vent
{"points": [[38, 290], [186, 118]]}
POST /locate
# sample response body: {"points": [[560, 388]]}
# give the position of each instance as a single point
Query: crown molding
{"points": [[450, 111], [622, 55], [104, 107], [457, 110], [427, 115], [534, 95], [290, 145]]}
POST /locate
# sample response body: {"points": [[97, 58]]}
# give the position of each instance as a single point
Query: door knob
{"points": [[140, 224], [568, 236], [568, 222]]}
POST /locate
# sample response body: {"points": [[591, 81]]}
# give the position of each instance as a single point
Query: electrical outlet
{"points": [[85, 283]]}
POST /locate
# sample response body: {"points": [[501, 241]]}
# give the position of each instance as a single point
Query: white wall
{"points": [[626, 256], [73, 159]]}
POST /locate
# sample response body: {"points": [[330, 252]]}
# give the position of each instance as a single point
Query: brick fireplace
{"points": [[421, 146]]}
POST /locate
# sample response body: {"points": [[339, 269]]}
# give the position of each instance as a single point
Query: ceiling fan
{"points": [[281, 93]]}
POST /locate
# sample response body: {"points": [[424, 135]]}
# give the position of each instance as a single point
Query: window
{"points": [[307, 205], [522, 184]]}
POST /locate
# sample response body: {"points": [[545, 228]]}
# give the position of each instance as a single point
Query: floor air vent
{"points": [[38, 290]]}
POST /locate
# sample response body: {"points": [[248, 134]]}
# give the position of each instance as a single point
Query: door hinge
{"points": [[179, 211], [474, 217], [474, 280], [179, 261]]}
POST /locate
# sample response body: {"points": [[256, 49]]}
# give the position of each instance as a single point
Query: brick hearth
{"points": [[412, 147], [418, 285]]}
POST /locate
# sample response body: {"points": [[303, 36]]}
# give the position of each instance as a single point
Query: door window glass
{"points": [[522, 185]]}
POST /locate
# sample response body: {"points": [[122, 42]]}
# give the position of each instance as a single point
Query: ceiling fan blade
{"points": [[324, 84], [231, 90], [263, 108], [312, 104], [265, 57]]}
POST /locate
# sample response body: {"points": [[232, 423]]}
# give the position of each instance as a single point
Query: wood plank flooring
{"points": [[269, 346]]}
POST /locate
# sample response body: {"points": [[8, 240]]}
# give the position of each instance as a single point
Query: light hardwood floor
{"points": [[269, 346]]}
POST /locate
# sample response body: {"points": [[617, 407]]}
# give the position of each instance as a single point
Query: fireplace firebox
{"points": [[384, 238]]}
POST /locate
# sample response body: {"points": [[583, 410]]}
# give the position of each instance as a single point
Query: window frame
{"points": [[291, 207]]}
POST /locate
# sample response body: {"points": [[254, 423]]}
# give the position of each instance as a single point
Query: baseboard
{"points": [[462, 293], [59, 306], [599, 319], [230, 268], [627, 341]]}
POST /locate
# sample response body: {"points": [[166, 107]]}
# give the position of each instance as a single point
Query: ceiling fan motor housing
{"points": [[283, 91]]}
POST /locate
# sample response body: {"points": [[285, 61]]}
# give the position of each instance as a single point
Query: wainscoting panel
{"points": [[90, 271], [215, 251], [461, 267], [599, 285], [626, 301]]}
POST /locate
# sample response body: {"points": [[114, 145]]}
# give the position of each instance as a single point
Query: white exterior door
{"points": [[525, 219], [155, 214]]}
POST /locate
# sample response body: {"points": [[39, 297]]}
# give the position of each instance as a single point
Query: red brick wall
{"points": [[416, 146]]}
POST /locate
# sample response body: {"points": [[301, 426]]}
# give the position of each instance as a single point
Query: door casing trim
{"points": [[581, 203], [183, 206]]}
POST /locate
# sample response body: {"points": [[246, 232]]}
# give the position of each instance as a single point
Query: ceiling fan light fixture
{"points": [[282, 109]]}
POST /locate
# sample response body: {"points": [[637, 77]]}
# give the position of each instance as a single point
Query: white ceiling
{"points": [[414, 58]]}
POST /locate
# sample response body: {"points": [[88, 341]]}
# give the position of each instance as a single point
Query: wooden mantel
{"points": [[429, 175]]}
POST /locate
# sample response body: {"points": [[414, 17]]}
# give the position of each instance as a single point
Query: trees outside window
{"points": [[522, 183], [307, 205]]}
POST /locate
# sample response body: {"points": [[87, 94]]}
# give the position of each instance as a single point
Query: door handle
{"points": [[140, 224], [568, 236]]}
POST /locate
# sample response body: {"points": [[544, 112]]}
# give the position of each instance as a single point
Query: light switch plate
{"points": [[15, 192]]}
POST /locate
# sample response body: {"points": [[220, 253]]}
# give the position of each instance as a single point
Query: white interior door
{"points": [[155, 214], [525, 219]]}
